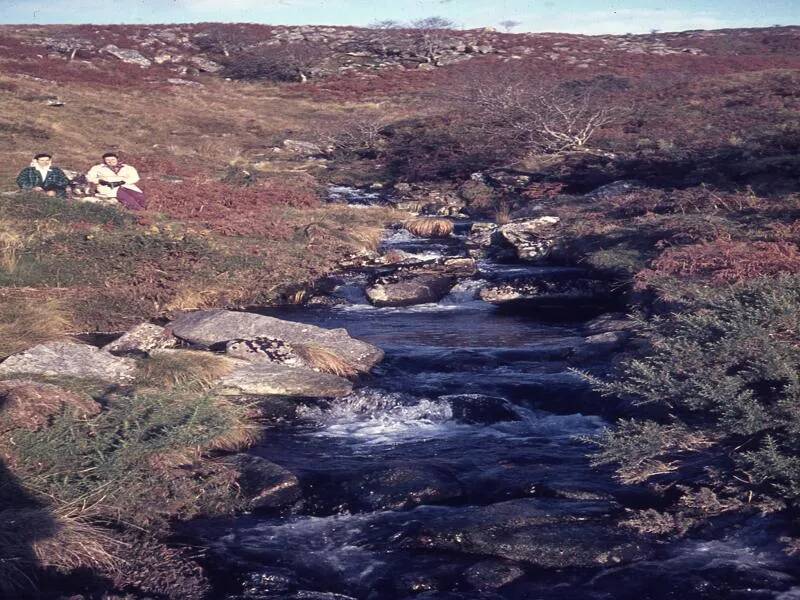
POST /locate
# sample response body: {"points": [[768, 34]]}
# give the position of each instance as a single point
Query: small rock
{"points": [[489, 575], [302, 148], [70, 359], [528, 240], [477, 409], [141, 340], [609, 322], [415, 290], [601, 345], [265, 484]]}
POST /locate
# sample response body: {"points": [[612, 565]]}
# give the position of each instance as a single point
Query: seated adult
{"points": [[42, 176], [115, 180]]}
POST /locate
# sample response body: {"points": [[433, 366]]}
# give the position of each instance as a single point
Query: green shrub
{"points": [[138, 461], [728, 369]]}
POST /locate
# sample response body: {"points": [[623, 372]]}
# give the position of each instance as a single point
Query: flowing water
{"points": [[431, 479]]}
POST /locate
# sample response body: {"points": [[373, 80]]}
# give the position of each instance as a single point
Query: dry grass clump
{"points": [[32, 538], [186, 369], [241, 432], [24, 324], [367, 238], [11, 245], [324, 360], [429, 227], [30, 404]]}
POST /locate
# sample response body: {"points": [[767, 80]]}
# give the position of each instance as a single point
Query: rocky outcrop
{"points": [[30, 404], [217, 327], [205, 65], [263, 483], [270, 379], [527, 240], [142, 339], [127, 55], [70, 359]]}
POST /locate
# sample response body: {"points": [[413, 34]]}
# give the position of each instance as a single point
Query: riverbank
{"points": [[471, 418]]}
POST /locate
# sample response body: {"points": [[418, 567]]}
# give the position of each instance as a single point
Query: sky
{"points": [[573, 16]]}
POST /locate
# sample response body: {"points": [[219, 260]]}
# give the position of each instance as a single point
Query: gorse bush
{"points": [[127, 463], [728, 370]]}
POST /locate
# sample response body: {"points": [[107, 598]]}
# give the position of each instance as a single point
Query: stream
{"points": [[455, 471]]}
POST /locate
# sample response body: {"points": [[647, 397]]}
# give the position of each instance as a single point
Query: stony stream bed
{"points": [[455, 471]]}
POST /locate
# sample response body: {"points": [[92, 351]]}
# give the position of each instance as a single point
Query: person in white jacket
{"points": [[117, 180]]}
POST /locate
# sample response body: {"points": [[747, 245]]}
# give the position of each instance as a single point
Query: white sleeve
{"points": [[93, 176], [131, 175]]}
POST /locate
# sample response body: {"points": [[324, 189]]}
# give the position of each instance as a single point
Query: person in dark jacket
{"points": [[42, 176]]}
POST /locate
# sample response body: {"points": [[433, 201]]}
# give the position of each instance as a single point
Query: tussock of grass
{"points": [[11, 245], [325, 360], [24, 324], [367, 238], [32, 538], [429, 227], [186, 369]]}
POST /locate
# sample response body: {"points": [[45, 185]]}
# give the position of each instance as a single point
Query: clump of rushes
{"points": [[324, 360], [186, 369], [429, 227]]}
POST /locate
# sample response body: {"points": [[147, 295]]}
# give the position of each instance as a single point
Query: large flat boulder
{"points": [[210, 327], [70, 359], [273, 379]]}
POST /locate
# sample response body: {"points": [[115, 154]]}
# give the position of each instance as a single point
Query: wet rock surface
{"points": [[419, 289], [265, 484], [543, 533]]}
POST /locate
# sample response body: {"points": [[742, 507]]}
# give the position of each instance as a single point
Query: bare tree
{"points": [[385, 24], [508, 25], [359, 135], [432, 37], [430, 23], [286, 62], [542, 119]]}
